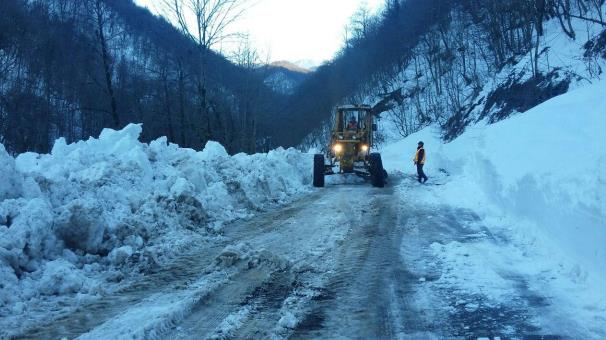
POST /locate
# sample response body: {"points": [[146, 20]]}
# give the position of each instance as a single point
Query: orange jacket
{"points": [[420, 156]]}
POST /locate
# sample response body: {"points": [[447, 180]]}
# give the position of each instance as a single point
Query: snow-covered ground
{"points": [[87, 218], [538, 179], [131, 240]]}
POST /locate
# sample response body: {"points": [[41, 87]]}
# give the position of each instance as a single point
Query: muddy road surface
{"points": [[346, 261]]}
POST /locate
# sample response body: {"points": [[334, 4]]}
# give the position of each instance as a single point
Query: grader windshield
{"points": [[354, 120], [353, 123]]}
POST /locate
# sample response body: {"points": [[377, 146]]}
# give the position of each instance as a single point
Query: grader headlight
{"points": [[364, 148], [337, 148]]}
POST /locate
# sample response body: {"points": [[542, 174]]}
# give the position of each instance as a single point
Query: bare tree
{"points": [[249, 59], [360, 23], [205, 23], [102, 19]]}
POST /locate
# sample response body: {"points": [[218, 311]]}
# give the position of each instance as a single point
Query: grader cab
{"points": [[350, 148]]}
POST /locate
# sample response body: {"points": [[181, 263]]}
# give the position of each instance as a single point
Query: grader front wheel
{"points": [[319, 170], [377, 173]]}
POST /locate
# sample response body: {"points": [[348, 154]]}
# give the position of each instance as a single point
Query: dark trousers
{"points": [[421, 174]]}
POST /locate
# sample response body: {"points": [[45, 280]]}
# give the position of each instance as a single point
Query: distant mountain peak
{"points": [[290, 66], [309, 64]]}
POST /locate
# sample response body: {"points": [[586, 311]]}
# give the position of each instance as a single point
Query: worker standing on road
{"points": [[419, 162]]}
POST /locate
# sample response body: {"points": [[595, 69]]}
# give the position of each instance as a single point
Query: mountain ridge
{"points": [[290, 66]]}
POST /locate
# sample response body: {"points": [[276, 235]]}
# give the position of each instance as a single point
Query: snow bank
{"points": [[546, 166], [111, 202]]}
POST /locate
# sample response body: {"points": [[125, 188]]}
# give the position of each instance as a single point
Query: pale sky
{"points": [[296, 29]]}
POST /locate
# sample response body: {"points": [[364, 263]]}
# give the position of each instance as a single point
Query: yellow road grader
{"points": [[350, 147]]}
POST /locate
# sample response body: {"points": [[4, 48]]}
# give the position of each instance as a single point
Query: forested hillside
{"points": [[71, 68], [284, 77], [454, 63]]}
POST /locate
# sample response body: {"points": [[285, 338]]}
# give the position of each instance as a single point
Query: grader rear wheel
{"points": [[377, 173], [319, 170]]}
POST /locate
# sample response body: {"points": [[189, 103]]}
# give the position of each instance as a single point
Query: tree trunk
{"points": [[107, 64]]}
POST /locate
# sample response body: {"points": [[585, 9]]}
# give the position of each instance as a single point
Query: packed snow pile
{"points": [[115, 202], [543, 173]]}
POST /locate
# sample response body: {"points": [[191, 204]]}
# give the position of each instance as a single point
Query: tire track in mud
{"points": [[387, 282], [172, 277], [308, 243], [264, 280], [352, 303], [262, 308], [345, 261], [382, 279], [307, 239], [251, 295]]}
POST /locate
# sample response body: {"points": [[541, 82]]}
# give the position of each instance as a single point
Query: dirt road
{"points": [[346, 261]]}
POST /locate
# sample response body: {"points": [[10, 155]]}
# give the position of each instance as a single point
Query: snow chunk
{"points": [[213, 151], [120, 255], [288, 320], [121, 141], [182, 188], [80, 226], [233, 253], [12, 182], [61, 277], [26, 237]]}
